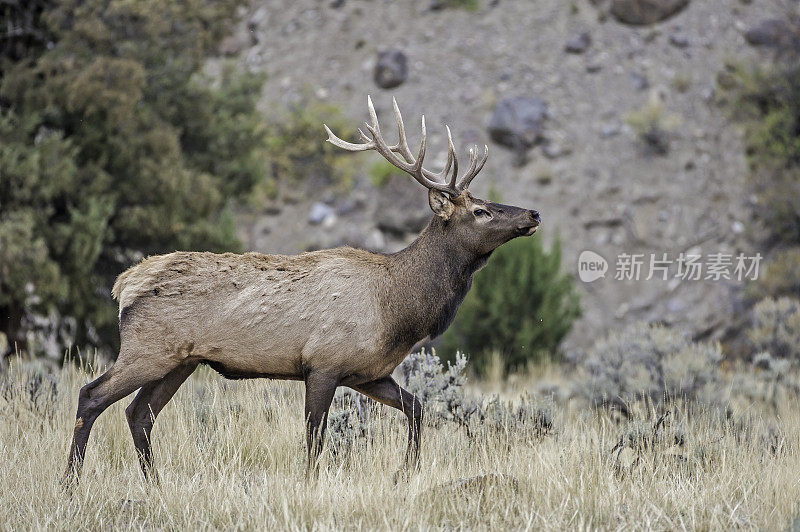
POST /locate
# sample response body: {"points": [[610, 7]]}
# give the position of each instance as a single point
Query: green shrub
{"points": [[297, 152], [521, 305], [469, 5], [114, 145], [381, 172], [653, 126], [649, 362], [767, 100], [779, 277]]}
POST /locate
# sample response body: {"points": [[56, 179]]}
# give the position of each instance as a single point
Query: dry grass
{"points": [[231, 456]]}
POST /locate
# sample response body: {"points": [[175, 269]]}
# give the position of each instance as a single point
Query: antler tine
{"points": [[402, 144], [406, 161], [350, 146], [373, 116], [421, 154], [474, 167], [451, 154]]}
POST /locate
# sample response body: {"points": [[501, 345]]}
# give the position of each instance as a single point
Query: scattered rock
{"points": [[594, 66], [609, 130], [679, 40], [642, 12], [320, 212], [554, 150], [401, 207], [391, 69], [774, 33], [518, 122], [579, 43], [640, 82]]}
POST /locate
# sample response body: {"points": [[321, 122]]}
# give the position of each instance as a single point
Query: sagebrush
{"points": [[230, 456], [649, 362]]}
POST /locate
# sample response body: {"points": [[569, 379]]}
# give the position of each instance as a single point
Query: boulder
{"points": [[518, 122], [640, 81], [679, 40], [577, 44], [402, 207], [391, 69], [642, 12], [320, 212], [774, 33]]}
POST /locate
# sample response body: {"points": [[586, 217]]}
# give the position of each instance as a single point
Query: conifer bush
{"points": [[521, 305]]}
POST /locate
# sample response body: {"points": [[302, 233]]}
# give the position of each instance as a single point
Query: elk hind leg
{"points": [[126, 376], [149, 402]]}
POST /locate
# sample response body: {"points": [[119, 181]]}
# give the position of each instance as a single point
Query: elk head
{"points": [[475, 225]]}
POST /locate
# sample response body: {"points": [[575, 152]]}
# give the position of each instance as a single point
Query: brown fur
{"points": [[334, 317]]}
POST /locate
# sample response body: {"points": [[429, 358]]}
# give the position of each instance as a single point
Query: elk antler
{"points": [[438, 181]]}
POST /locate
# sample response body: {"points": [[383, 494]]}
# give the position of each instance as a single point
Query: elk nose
{"points": [[535, 216]]}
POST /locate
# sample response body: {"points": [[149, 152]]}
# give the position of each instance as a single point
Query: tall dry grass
{"points": [[231, 456]]}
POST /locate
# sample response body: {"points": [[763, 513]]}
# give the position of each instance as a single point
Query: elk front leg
{"points": [[388, 392], [320, 389]]}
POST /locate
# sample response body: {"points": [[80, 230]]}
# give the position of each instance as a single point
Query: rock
{"points": [[402, 207], [609, 130], [640, 82], [579, 43], [555, 150], [774, 33], [642, 12], [391, 69], [518, 122], [679, 40], [594, 66], [319, 213]]}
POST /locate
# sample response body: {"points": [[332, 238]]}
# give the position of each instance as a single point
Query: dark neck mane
{"points": [[430, 279]]}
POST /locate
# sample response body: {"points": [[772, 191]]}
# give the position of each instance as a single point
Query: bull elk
{"points": [[335, 317]]}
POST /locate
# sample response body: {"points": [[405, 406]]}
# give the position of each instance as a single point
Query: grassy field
{"points": [[230, 455]]}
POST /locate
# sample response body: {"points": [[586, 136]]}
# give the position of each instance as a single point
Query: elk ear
{"points": [[440, 203]]}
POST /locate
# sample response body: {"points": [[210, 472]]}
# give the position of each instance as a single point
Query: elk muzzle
{"points": [[531, 225]]}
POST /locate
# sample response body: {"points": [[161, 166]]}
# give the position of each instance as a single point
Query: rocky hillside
{"points": [[602, 177]]}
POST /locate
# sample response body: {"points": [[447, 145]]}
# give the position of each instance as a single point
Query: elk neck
{"points": [[428, 282]]}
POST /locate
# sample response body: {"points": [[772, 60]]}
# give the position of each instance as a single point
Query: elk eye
{"points": [[480, 212]]}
